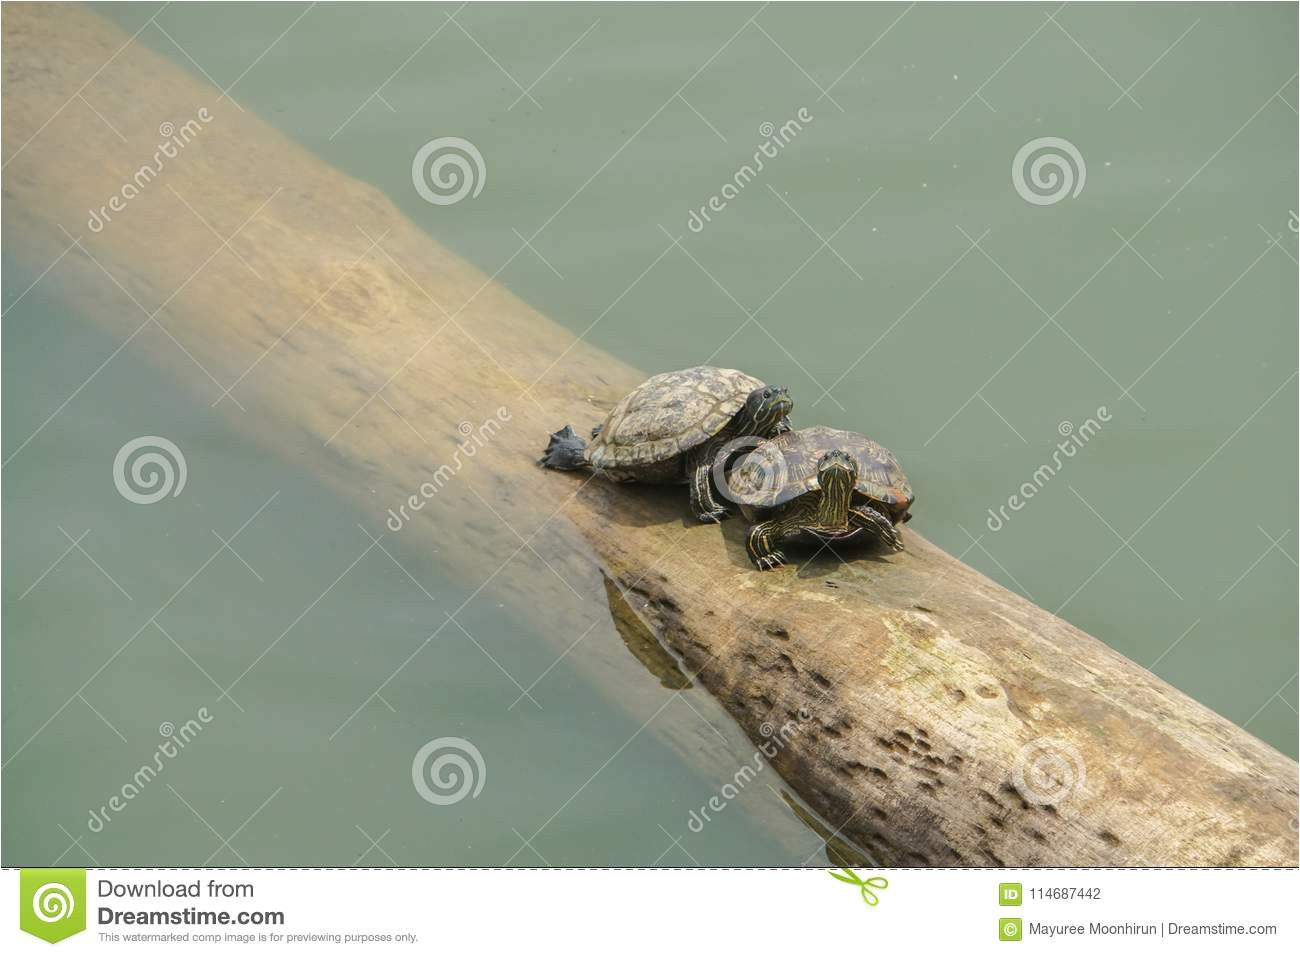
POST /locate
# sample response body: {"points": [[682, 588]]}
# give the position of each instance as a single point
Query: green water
{"points": [[965, 360]]}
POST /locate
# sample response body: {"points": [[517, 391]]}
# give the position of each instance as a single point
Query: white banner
{"points": [[653, 911]]}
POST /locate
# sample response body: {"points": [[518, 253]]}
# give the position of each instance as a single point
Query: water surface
{"points": [[882, 264]]}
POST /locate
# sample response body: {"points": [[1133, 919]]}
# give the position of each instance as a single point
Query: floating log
{"points": [[936, 718]]}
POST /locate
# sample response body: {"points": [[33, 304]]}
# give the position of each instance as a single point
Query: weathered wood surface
{"points": [[935, 697]]}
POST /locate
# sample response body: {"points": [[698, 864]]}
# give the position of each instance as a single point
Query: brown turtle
{"points": [[672, 427], [819, 483]]}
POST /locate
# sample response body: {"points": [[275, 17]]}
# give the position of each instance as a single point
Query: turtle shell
{"points": [[669, 414], [785, 467]]}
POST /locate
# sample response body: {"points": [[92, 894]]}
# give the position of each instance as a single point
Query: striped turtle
{"points": [[671, 427], [819, 483]]}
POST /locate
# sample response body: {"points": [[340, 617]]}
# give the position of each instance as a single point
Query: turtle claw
{"points": [[717, 515], [878, 526], [770, 561], [894, 540]]}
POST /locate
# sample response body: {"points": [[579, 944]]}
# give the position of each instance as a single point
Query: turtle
{"points": [[819, 483], [672, 427]]}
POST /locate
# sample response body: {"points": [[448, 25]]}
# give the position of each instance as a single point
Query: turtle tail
{"points": [[564, 451]]}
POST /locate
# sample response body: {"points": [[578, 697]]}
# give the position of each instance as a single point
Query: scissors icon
{"points": [[865, 886]]}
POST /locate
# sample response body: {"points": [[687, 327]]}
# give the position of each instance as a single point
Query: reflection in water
{"points": [[838, 851], [641, 641], [646, 648]]}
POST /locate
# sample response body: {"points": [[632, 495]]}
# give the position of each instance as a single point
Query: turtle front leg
{"points": [[877, 525], [760, 545], [699, 468]]}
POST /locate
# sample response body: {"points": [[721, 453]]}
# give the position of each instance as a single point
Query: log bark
{"points": [[931, 717]]}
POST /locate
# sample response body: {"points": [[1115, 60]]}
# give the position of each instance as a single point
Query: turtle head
{"points": [[837, 474], [837, 468], [766, 408]]}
